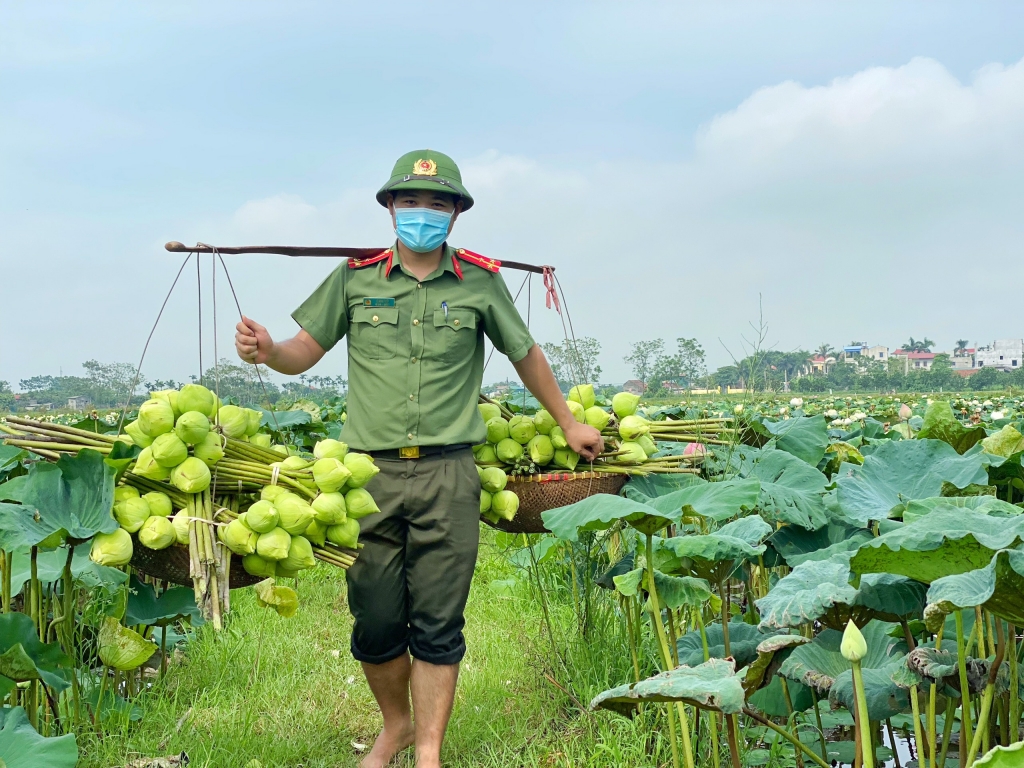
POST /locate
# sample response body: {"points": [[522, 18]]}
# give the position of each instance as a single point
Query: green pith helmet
{"points": [[426, 169]]}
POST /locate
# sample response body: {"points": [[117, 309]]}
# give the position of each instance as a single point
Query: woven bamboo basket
{"points": [[539, 493], [171, 565]]}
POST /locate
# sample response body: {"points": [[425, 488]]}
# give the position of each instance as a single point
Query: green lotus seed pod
{"points": [[624, 404], [544, 422], [330, 449], [497, 430], [253, 420], [156, 418], [485, 501], [146, 466], [159, 504], [330, 474], [140, 438], [300, 555], [566, 458], [597, 417], [113, 549], [169, 396], [558, 438], [191, 476], [485, 453], [180, 522], [316, 533], [192, 427], [344, 535], [131, 514], [489, 411], [233, 421], [157, 533], [493, 479], [505, 504], [578, 411], [541, 450], [631, 427], [168, 450], [123, 492], [274, 544], [239, 538], [509, 451], [196, 397], [521, 429], [211, 449], [582, 394], [255, 565], [359, 503], [329, 508], [362, 468]]}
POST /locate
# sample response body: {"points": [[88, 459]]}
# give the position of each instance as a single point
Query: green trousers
{"points": [[407, 589]]}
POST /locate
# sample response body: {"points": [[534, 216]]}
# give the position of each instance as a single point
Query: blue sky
{"points": [[855, 167]]}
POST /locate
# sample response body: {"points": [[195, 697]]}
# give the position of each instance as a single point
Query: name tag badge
{"points": [[368, 302]]}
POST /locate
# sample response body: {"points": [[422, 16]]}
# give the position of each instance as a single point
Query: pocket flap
{"points": [[375, 315], [456, 318]]}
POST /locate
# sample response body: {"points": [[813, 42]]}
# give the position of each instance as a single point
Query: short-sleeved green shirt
{"points": [[415, 348]]}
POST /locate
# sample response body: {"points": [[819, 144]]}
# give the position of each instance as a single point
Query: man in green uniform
{"points": [[415, 316]]}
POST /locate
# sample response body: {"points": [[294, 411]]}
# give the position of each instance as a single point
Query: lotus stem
{"points": [[947, 728], [866, 743], [787, 736], [986, 699], [966, 731], [932, 693], [1014, 713]]}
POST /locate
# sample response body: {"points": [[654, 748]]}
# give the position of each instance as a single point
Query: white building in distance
{"points": [[1007, 354]]}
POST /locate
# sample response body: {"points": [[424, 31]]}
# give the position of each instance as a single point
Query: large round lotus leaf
{"points": [[1003, 757], [712, 685], [122, 648], [771, 700], [941, 424], [600, 511], [743, 641], [21, 746], [997, 587], [281, 599], [798, 545], [715, 501], [805, 437], [901, 471], [808, 593], [984, 505], [791, 489], [24, 657], [944, 542], [676, 591], [144, 607], [714, 556], [821, 664]]}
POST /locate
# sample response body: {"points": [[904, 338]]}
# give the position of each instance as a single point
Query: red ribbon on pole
{"points": [[550, 295]]}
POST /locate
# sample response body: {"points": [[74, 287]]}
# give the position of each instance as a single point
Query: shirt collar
{"points": [[448, 264]]}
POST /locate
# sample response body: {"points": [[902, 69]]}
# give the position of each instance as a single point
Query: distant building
{"points": [[820, 364], [877, 352], [963, 360], [673, 387], [921, 361], [634, 387], [1007, 354], [79, 403]]}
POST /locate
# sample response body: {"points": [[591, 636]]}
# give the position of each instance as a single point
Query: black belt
{"points": [[419, 452]]}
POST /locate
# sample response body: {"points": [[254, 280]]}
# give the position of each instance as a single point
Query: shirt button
{"points": [[375, 318], [412, 397], [419, 285], [414, 322], [410, 435], [414, 359], [455, 322]]}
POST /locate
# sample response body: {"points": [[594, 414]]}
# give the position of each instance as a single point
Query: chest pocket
{"points": [[454, 335], [375, 332]]}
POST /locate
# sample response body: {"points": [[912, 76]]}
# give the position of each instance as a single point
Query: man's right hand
{"points": [[252, 341]]}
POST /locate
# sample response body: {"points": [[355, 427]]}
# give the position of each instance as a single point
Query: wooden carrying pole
{"points": [[299, 250]]}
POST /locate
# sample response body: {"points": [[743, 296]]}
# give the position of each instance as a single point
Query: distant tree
{"points": [[961, 347], [824, 350], [913, 345], [984, 378], [692, 365], [644, 356], [6, 396], [240, 383], [574, 364]]}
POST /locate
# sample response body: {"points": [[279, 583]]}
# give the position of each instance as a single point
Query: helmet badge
{"points": [[424, 168]]}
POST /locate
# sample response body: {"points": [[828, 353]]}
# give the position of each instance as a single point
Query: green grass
{"points": [[288, 693]]}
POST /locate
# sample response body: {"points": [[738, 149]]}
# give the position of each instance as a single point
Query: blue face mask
{"points": [[421, 229]]}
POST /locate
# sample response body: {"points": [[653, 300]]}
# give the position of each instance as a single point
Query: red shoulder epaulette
{"points": [[357, 263], [484, 262]]}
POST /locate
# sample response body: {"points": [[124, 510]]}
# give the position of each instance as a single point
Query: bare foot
{"points": [[388, 745]]}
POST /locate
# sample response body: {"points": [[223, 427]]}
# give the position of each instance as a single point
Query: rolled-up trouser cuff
{"points": [[382, 658], [440, 658]]}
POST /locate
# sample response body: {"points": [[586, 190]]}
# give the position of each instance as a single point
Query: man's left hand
{"points": [[585, 440]]}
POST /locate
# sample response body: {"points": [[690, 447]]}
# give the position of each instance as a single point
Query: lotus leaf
{"points": [[771, 652], [806, 438], [941, 424], [743, 642], [281, 599], [714, 556], [712, 685], [791, 490], [984, 505], [715, 501], [677, 591], [21, 746], [144, 607], [122, 648], [942, 543], [898, 472], [997, 587], [1011, 756], [798, 545], [628, 583], [600, 511], [646, 487], [24, 657], [1006, 442]]}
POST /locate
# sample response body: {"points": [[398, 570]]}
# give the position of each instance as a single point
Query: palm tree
{"points": [[824, 350], [961, 347], [924, 345]]}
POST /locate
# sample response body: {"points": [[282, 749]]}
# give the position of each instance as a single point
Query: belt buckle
{"points": [[411, 452]]}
